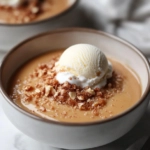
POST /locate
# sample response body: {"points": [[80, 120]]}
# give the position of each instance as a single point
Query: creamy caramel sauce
{"points": [[55, 7], [119, 103]]}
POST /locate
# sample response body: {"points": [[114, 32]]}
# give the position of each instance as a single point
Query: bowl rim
{"points": [[62, 13], [64, 30]]}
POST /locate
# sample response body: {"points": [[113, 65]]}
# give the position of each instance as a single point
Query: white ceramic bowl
{"points": [[75, 135], [12, 34]]}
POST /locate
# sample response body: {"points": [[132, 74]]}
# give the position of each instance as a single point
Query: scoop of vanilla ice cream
{"points": [[12, 3], [84, 60], [85, 65]]}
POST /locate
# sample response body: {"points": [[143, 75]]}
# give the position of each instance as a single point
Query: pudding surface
{"points": [[120, 93], [34, 10]]}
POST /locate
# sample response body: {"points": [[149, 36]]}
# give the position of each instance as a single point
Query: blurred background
{"points": [[128, 19]]}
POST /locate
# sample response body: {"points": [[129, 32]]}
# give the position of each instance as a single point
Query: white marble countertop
{"points": [[12, 139]]}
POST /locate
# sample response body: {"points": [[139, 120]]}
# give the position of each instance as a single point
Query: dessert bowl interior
{"points": [[104, 131]]}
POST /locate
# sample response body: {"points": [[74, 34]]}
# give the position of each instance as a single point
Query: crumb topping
{"points": [[28, 11], [41, 87]]}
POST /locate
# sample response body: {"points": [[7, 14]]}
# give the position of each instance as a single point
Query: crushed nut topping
{"points": [[72, 95], [47, 89], [28, 11]]}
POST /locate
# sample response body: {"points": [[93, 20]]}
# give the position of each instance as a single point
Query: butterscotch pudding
{"points": [[80, 84], [24, 11]]}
